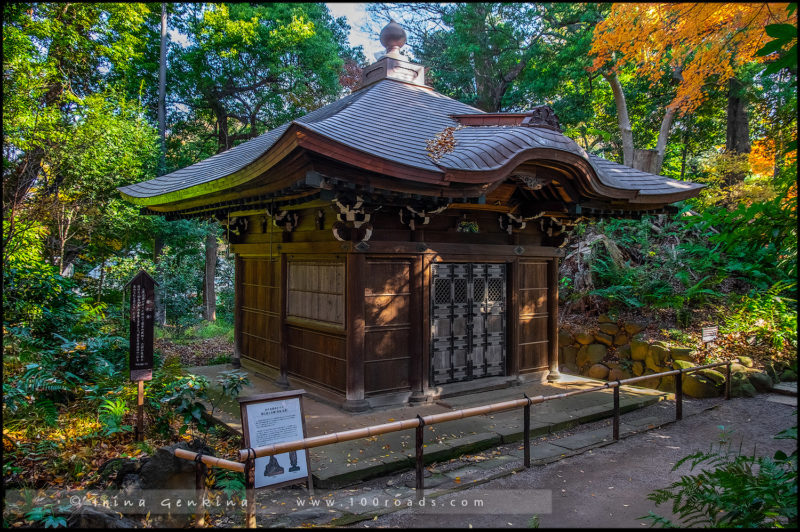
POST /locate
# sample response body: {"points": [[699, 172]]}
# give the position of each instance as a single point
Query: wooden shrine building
{"points": [[398, 245]]}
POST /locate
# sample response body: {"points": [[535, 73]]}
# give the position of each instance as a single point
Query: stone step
{"points": [[786, 388]]}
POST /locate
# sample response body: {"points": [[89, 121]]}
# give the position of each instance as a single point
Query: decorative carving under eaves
{"points": [[353, 219], [286, 220], [412, 216], [542, 116], [235, 228], [532, 181]]}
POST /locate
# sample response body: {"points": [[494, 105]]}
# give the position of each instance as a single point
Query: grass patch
{"points": [[202, 331]]}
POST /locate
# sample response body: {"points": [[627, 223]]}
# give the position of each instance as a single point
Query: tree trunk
{"points": [[161, 308], [102, 278], [162, 93], [209, 290], [737, 139], [625, 130], [661, 144]]}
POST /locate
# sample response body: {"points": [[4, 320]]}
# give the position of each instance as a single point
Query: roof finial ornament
{"points": [[393, 37]]}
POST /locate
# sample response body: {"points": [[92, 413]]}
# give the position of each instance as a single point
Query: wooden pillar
{"points": [[552, 319], [281, 262], [512, 319], [354, 296], [418, 328], [237, 311]]}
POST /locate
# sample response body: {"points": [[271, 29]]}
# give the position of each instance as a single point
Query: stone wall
{"points": [[616, 350]]}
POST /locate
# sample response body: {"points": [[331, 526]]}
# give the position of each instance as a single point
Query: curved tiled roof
{"points": [[394, 121]]}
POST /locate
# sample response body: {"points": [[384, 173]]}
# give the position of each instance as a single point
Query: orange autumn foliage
{"points": [[699, 40]]}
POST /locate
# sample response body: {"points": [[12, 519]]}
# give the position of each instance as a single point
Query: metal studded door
{"points": [[468, 304]]}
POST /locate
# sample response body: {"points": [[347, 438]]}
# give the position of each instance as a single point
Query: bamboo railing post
{"points": [[200, 470], [728, 381], [679, 396], [616, 412], [420, 470], [140, 412], [527, 430], [250, 492]]}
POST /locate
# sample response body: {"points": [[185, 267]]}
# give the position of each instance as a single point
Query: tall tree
{"points": [[70, 137], [693, 43], [479, 52], [250, 67]]}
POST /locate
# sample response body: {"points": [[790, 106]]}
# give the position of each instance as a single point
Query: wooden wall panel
{"points": [[388, 345], [317, 357], [316, 291], [260, 310], [532, 325]]}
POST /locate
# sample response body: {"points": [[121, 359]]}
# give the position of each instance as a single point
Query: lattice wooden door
{"points": [[468, 304]]}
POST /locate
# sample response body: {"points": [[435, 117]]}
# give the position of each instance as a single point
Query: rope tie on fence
{"points": [[530, 401]]}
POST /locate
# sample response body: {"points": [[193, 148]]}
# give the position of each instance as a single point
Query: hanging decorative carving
{"points": [[235, 228], [509, 222], [353, 219], [555, 234], [286, 220], [414, 215]]}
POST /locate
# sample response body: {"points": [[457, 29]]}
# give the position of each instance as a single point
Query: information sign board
{"points": [[276, 418]]}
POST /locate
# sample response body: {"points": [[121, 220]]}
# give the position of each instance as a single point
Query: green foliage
{"points": [[111, 413], [768, 315], [230, 482], [733, 490]]}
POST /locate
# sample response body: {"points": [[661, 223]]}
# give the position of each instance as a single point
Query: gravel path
{"points": [[608, 486]]}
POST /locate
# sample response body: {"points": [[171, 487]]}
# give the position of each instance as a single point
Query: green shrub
{"points": [[735, 490]]}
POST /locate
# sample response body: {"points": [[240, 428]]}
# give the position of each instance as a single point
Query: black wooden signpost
{"points": [[141, 344]]}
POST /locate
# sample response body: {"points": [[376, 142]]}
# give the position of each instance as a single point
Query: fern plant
{"points": [[733, 490]]}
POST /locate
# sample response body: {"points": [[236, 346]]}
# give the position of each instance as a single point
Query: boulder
{"points": [[165, 471], [769, 368], [624, 352], [590, 354], [633, 327], [584, 338], [604, 339], [699, 387], [609, 328], [565, 338], [667, 384], [598, 371], [638, 368], [569, 355], [745, 361], [738, 368], [741, 387], [620, 339], [603, 318], [656, 358], [572, 369], [713, 375], [788, 376], [682, 364], [649, 383], [682, 353], [639, 349], [618, 374], [91, 516], [760, 381]]}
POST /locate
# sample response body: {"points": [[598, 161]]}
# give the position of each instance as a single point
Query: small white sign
{"points": [[710, 334], [271, 422]]}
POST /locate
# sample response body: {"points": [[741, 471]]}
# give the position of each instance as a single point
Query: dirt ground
{"points": [[608, 486]]}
